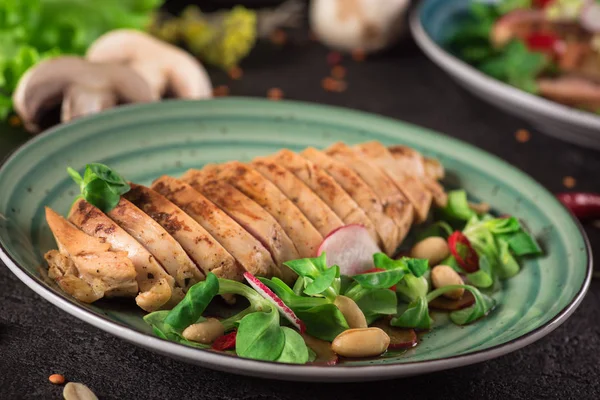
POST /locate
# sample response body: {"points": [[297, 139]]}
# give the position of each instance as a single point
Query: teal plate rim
{"points": [[280, 371]]}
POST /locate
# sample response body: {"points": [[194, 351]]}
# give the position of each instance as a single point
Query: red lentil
{"points": [[275, 94], [334, 58], [221, 91], [338, 72], [236, 73], [569, 182], [56, 379], [522, 135], [14, 121], [278, 37], [359, 55]]}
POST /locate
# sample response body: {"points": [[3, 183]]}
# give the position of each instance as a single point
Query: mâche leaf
{"points": [[100, 185], [380, 280], [483, 304], [190, 309], [324, 322], [411, 288], [259, 336], [294, 350], [415, 316]]}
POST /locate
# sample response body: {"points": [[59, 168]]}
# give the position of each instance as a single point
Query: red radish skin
{"points": [[225, 342], [275, 300], [351, 248], [582, 205]]}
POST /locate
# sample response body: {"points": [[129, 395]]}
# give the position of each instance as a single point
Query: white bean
{"points": [[363, 342], [204, 332], [353, 314], [433, 248], [443, 275]]}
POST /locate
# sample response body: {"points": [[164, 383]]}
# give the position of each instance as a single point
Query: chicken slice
{"points": [[411, 185], [155, 284], [252, 217], [304, 235], [84, 266], [327, 189], [201, 247], [158, 242], [413, 163], [395, 204], [247, 250], [362, 193], [316, 211]]}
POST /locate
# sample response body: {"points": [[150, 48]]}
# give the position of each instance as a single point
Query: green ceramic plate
{"points": [[143, 142]]}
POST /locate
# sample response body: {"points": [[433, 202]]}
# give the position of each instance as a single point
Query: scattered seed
{"points": [[14, 121], [333, 85], [278, 37], [56, 379], [221, 91], [338, 72], [522, 135], [334, 58], [236, 73], [358, 55], [569, 182], [78, 391], [275, 94]]}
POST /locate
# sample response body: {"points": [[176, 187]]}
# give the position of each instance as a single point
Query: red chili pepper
{"points": [[470, 263], [582, 205], [542, 42], [379, 270], [225, 342], [541, 3]]}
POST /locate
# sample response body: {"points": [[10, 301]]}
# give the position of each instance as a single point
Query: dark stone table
{"points": [[37, 339]]}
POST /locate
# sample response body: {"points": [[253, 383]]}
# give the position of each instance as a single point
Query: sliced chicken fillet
{"points": [[316, 211], [413, 163], [155, 284], [327, 189], [362, 193], [410, 185], [158, 242], [395, 204], [247, 250], [252, 217], [206, 252], [304, 235], [84, 266]]}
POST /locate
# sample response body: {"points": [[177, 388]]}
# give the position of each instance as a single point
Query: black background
{"points": [[37, 339]]}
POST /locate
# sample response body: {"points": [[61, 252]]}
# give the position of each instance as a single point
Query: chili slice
{"points": [[225, 342], [470, 263]]}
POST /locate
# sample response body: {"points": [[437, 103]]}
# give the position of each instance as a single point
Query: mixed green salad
{"points": [[327, 314], [546, 47]]}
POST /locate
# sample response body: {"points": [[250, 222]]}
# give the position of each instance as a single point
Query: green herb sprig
{"points": [[100, 185]]}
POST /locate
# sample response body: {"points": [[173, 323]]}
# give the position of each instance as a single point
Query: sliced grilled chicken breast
{"points": [[158, 242], [84, 266], [304, 235], [201, 247], [413, 163], [252, 217], [327, 189], [155, 284], [410, 185], [395, 204], [247, 250], [362, 193], [316, 211]]}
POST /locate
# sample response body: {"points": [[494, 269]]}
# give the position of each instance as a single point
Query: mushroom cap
{"points": [[165, 67], [44, 85]]}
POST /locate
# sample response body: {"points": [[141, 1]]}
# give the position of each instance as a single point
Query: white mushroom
{"points": [[168, 69], [82, 87], [365, 25]]}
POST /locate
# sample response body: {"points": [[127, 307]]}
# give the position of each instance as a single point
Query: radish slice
{"points": [[590, 17], [275, 300], [351, 248]]}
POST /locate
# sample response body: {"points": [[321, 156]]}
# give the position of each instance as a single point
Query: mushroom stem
{"points": [[82, 100]]}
